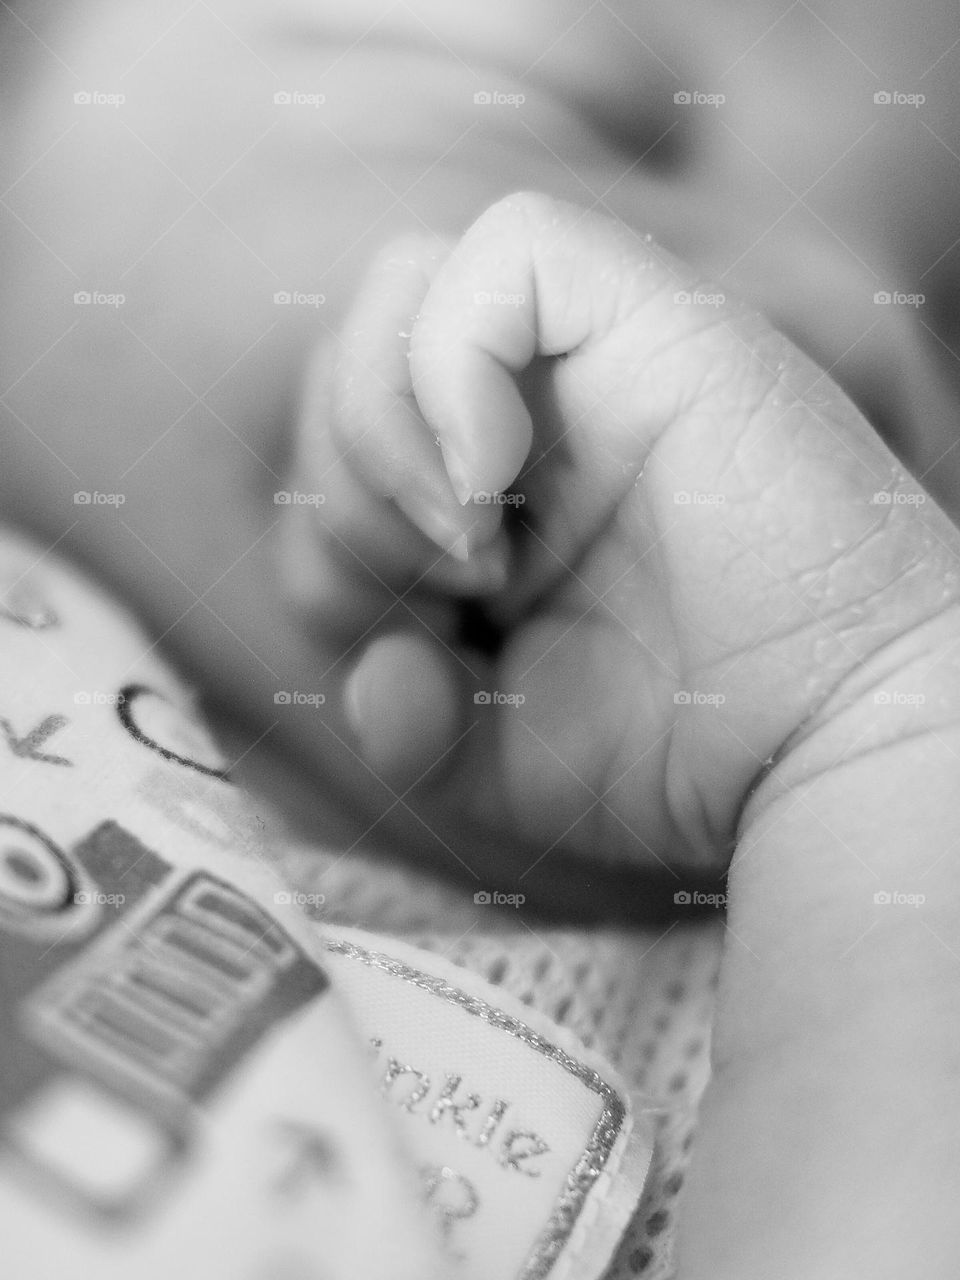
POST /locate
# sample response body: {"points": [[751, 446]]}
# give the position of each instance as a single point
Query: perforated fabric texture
{"points": [[642, 997]]}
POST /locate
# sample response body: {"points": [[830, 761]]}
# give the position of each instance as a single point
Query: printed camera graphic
{"points": [[133, 990]]}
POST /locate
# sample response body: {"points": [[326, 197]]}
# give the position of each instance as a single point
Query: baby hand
{"points": [[726, 617], [688, 536]]}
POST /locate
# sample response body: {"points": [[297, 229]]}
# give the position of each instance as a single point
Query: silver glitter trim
{"points": [[590, 1165]]}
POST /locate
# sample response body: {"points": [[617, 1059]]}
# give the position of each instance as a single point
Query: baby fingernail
{"points": [[421, 508], [460, 549], [460, 478], [485, 571]]}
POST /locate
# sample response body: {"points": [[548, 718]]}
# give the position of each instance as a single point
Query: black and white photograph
{"points": [[479, 640]]}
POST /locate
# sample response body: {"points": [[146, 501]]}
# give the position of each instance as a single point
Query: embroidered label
{"points": [[530, 1151]]}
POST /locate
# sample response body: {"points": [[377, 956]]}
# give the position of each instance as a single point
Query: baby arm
{"points": [[733, 621]]}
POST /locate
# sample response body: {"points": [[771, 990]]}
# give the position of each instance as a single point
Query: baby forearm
{"points": [[839, 1025]]}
